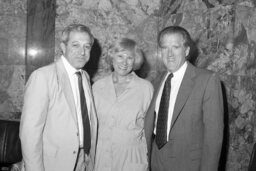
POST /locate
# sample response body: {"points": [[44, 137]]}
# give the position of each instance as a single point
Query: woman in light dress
{"points": [[121, 100]]}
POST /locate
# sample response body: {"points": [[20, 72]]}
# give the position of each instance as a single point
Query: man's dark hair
{"points": [[175, 30]]}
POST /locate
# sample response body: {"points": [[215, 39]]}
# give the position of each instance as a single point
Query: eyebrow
{"points": [[89, 43], [74, 42]]}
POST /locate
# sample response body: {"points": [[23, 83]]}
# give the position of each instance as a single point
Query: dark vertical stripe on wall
{"points": [[40, 36]]}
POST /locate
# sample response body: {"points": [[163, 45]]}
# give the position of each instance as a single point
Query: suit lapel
{"points": [[65, 83], [150, 116], [157, 84], [184, 92]]}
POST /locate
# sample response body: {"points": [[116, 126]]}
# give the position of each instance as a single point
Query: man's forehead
{"points": [[78, 33], [172, 37], [79, 36], [173, 34]]}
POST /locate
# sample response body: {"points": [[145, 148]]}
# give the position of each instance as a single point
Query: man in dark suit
{"points": [[184, 123]]}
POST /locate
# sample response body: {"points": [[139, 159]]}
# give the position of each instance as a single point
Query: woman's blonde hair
{"points": [[129, 45]]}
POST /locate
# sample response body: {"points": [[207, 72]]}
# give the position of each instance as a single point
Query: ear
{"points": [[63, 48], [187, 51]]}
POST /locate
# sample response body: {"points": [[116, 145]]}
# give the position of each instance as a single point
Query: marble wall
{"points": [[12, 56]]}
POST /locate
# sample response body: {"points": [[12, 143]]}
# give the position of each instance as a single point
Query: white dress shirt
{"points": [[175, 86], [74, 85]]}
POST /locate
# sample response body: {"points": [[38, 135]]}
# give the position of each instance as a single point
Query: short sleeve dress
{"points": [[121, 140]]}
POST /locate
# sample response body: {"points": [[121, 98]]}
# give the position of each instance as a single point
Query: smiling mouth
{"points": [[122, 67]]}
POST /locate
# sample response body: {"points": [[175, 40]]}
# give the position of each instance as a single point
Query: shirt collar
{"points": [[69, 68], [180, 72]]}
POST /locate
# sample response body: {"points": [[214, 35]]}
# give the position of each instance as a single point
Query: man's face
{"points": [[173, 51], [77, 49]]}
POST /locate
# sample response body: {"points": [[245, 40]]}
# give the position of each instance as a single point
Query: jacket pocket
{"points": [[196, 154], [195, 157]]}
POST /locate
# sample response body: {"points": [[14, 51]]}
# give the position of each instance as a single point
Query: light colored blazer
{"points": [[196, 133], [48, 127]]}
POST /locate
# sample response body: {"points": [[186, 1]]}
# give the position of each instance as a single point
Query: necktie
{"points": [[84, 112], [161, 128]]}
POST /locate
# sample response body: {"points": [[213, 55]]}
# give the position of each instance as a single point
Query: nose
{"points": [[170, 52], [83, 51], [125, 61]]}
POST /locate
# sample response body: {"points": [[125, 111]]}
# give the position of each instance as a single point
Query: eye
{"points": [[163, 48], [130, 57], [176, 46], [87, 47], [75, 45]]}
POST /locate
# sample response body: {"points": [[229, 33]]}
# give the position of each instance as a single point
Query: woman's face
{"points": [[123, 62]]}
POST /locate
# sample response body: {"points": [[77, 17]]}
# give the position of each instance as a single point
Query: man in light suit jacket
{"points": [[184, 123], [58, 131]]}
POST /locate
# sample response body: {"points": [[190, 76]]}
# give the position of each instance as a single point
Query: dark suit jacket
{"points": [[196, 132]]}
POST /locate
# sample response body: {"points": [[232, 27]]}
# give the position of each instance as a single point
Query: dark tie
{"points": [[84, 112], [161, 128]]}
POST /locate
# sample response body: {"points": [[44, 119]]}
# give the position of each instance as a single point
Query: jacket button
{"points": [[74, 152]]}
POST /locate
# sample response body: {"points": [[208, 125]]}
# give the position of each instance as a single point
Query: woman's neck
{"points": [[122, 79]]}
